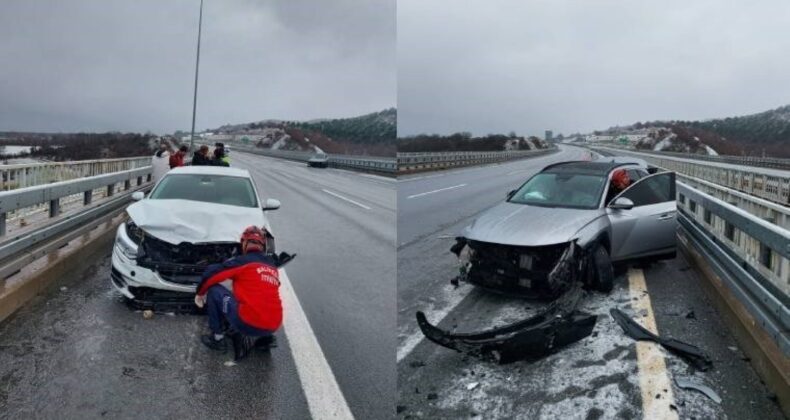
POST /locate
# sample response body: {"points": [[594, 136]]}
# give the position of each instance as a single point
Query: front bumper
{"points": [[132, 280], [543, 334]]}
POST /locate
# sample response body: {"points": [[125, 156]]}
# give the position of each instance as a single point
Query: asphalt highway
{"points": [[606, 375], [76, 351]]}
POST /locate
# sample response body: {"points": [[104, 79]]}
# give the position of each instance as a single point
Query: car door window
{"points": [[656, 188]]}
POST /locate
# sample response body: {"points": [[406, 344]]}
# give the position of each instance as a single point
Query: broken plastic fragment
{"points": [[545, 333], [685, 383], [690, 353]]}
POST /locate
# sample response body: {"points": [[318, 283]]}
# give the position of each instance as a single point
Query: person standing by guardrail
{"points": [[200, 158], [177, 159], [160, 163], [220, 157]]}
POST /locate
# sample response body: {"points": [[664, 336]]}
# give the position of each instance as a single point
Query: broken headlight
{"points": [[134, 233]]}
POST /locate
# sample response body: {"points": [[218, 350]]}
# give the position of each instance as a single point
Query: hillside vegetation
{"points": [[465, 142]]}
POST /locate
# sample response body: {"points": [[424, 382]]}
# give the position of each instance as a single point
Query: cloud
{"points": [[119, 65], [496, 66]]}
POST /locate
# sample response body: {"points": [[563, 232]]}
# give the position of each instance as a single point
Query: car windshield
{"points": [[220, 189], [581, 191]]}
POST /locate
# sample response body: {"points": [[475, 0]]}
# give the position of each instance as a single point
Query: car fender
{"points": [[597, 230]]}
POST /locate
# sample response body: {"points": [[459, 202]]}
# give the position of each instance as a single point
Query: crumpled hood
{"points": [[523, 225], [177, 221]]}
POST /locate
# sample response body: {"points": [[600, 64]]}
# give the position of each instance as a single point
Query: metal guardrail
{"points": [[52, 193], [425, 161], [31, 174], [765, 162], [365, 163], [770, 184], [751, 255]]}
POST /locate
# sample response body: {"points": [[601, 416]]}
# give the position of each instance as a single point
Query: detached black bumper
{"points": [[557, 326]]}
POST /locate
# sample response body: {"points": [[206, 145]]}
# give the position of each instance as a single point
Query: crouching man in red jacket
{"points": [[253, 308]]}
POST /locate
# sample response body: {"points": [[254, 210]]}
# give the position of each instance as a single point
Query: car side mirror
{"points": [[622, 203], [138, 195], [271, 204], [511, 193]]}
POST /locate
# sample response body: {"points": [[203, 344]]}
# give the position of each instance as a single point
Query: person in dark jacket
{"points": [[253, 308], [220, 157], [201, 157], [177, 158]]}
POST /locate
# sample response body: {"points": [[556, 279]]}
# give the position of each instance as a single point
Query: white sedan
{"points": [[193, 217]]}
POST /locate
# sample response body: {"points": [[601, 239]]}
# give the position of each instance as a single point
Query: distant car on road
{"points": [[319, 160], [193, 217], [565, 225]]}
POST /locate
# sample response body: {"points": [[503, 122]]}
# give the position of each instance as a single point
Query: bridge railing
{"points": [[749, 254], [765, 162], [31, 174], [769, 184], [53, 196], [426, 161]]}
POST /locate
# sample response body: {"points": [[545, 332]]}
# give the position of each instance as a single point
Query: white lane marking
{"points": [[436, 191], [435, 316], [324, 398], [345, 199], [282, 173], [653, 376], [417, 178], [379, 177], [521, 171]]}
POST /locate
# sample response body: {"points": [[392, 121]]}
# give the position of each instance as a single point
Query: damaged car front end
{"points": [[193, 218], [542, 272]]}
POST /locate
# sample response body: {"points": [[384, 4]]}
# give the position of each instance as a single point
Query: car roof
{"points": [[210, 170], [623, 159]]}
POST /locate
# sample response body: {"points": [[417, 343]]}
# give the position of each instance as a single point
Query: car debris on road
{"points": [[692, 354], [687, 383], [559, 325]]}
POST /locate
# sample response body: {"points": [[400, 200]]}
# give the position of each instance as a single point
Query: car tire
{"points": [[603, 272]]}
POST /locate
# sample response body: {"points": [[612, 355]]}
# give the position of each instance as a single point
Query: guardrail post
{"points": [[110, 190], [54, 207], [2, 224], [127, 184], [148, 179], [87, 197], [139, 181]]}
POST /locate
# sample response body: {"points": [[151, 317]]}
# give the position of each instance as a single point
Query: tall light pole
{"points": [[197, 66]]}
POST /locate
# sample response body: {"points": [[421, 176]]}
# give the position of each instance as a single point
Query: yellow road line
{"points": [[653, 376]]}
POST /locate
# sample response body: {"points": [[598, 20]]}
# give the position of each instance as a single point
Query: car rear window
{"points": [[219, 189]]}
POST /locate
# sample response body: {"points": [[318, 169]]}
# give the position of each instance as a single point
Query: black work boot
{"points": [[209, 341], [265, 343]]}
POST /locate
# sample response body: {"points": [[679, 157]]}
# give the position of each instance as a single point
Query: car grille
{"points": [[514, 269], [183, 263]]}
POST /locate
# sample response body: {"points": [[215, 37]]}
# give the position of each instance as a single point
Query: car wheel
{"points": [[603, 272]]}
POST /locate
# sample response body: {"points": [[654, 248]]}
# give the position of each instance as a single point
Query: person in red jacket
{"points": [[253, 308], [177, 158]]}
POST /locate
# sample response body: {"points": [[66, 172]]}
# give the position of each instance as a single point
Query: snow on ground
{"points": [[280, 143], [664, 143]]}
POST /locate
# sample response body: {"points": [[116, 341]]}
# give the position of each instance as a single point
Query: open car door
{"points": [[648, 227]]}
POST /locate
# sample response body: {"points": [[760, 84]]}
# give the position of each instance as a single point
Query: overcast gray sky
{"points": [[129, 65], [494, 66]]}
